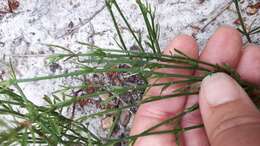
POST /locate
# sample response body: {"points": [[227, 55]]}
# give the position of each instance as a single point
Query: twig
{"points": [[242, 22], [84, 22], [216, 16]]}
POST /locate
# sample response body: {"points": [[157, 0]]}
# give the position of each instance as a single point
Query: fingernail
{"points": [[219, 89]]}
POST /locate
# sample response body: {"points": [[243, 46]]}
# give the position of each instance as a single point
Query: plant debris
{"points": [[237, 21], [13, 5], [257, 5]]}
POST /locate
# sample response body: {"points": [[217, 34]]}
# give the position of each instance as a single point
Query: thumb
{"points": [[229, 116]]}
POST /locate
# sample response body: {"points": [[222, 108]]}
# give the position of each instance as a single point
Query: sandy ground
{"points": [[24, 33]]}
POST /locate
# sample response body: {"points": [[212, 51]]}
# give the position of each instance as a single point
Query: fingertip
{"points": [[224, 47], [185, 44], [229, 29], [213, 84], [249, 64]]}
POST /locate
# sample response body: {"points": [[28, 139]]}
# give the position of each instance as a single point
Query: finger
{"points": [[224, 47], [230, 117], [153, 113], [195, 137], [249, 64]]}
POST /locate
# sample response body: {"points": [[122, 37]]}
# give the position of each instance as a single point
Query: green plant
{"points": [[243, 28], [26, 123]]}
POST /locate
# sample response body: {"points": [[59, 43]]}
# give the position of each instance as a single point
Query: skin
{"points": [[229, 116]]}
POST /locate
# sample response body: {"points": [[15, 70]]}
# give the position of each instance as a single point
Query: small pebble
{"points": [[107, 122], [251, 10]]}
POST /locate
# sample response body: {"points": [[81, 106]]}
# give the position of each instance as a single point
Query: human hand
{"points": [[229, 116]]}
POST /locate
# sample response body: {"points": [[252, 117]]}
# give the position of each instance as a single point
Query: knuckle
{"points": [[153, 113], [192, 119], [233, 123]]}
